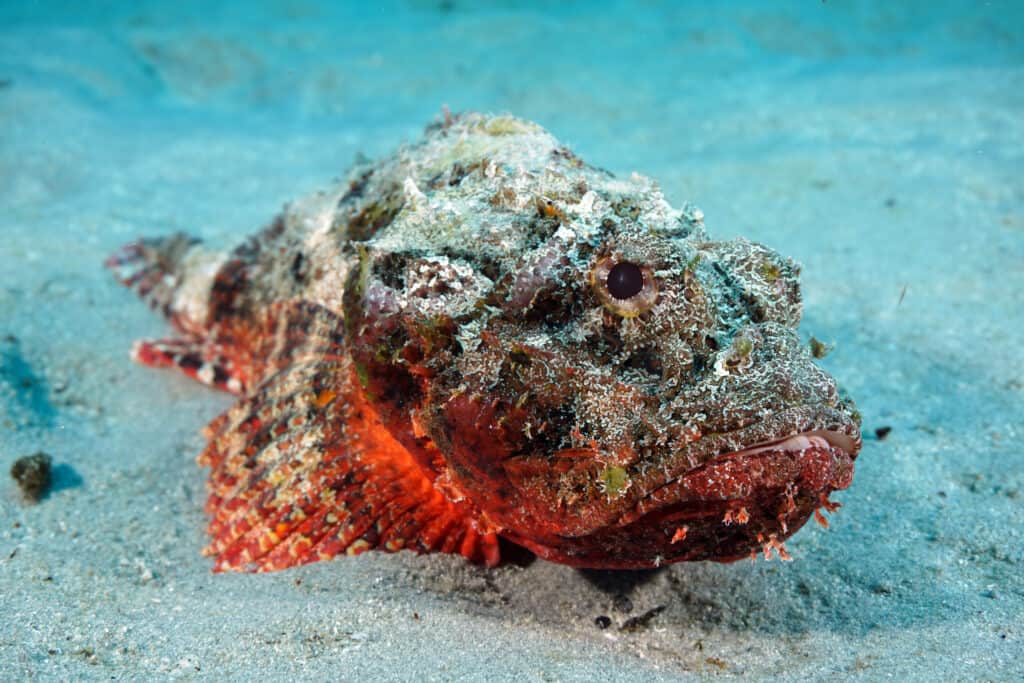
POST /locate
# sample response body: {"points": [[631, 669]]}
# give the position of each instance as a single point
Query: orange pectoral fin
{"points": [[303, 470]]}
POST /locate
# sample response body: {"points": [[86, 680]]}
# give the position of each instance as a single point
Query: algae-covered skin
{"points": [[480, 336]]}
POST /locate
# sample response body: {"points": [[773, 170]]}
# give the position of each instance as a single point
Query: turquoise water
{"points": [[879, 144]]}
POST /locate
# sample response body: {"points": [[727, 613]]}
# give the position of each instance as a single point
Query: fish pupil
{"points": [[625, 280]]}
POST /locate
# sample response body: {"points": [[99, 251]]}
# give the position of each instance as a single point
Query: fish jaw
{"points": [[735, 506], [605, 505]]}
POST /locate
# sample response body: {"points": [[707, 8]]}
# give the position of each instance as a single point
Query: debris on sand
{"points": [[32, 473]]}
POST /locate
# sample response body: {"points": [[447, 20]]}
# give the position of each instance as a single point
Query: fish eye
{"points": [[625, 280], [625, 288]]}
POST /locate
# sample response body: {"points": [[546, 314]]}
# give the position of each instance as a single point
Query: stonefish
{"points": [[480, 337]]}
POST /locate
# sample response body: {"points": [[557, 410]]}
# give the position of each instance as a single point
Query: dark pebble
{"points": [[32, 473]]}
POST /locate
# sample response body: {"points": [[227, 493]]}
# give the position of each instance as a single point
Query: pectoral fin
{"points": [[302, 470]]}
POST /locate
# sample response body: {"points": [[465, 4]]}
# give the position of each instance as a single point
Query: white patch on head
{"points": [[565, 233], [413, 195], [585, 206], [440, 285]]}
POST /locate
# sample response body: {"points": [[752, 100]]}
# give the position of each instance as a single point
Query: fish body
{"points": [[481, 336]]}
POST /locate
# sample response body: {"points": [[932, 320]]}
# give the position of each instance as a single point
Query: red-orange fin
{"points": [[302, 470], [237, 354], [200, 360]]}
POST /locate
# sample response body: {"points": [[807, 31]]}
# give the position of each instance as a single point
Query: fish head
{"points": [[607, 387]]}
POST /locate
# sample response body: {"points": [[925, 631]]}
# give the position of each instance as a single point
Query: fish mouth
{"points": [[816, 438], [735, 503], [725, 496], [792, 430], [825, 458], [815, 453]]}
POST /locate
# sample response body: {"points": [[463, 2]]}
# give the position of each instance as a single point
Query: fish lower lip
{"points": [[810, 444]]}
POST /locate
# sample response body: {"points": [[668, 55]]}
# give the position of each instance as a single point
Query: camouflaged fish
{"points": [[482, 337]]}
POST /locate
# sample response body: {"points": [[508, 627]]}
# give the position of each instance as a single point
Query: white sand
{"points": [[881, 146]]}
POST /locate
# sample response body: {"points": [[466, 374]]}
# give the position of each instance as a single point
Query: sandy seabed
{"points": [[879, 144]]}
